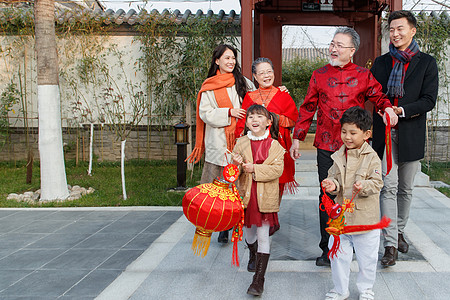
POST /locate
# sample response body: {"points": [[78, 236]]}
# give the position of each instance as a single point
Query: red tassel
{"points": [[335, 248], [238, 233], [388, 143], [384, 222], [235, 253], [291, 188]]}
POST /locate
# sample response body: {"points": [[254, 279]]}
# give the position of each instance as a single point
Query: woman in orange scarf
{"points": [[283, 106], [218, 109]]}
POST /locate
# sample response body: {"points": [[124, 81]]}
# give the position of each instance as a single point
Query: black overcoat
{"points": [[421, 90]]}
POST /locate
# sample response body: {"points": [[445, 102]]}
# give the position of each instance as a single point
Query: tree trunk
{"points": [[91, 149], [53, 173], [122, 168]]}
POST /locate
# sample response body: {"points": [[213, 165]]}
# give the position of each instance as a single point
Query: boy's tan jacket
{"points": [[362, 164], [266, 175]]}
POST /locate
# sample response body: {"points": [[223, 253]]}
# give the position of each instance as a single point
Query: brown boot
{"points": [[257, 286], [389, 257], [402, 244], [251, 267]]}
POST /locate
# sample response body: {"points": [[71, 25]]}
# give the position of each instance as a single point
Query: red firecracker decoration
{"points": [[214, 207], [336, 222]]}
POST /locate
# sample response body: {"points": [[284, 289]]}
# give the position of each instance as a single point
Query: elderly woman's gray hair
{"points": [[260, 60], [352, 33]]}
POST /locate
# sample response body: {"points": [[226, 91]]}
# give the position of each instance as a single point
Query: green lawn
{"points": [[147, 183], [438, 171]]}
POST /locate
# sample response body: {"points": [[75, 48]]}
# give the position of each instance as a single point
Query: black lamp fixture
{"points": [[181, 140], [181, 133]]}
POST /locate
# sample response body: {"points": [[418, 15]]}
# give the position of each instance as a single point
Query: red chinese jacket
{"points": [[332, 90]]}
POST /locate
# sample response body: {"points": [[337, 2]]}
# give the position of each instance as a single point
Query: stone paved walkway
{"points": [[145, 253]]}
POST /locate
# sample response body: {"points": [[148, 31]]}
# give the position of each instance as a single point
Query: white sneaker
{"points": [[367, 295], [333, 295]]}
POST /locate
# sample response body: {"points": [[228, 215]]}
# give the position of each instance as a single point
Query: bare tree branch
{"points": [[440, 3]]}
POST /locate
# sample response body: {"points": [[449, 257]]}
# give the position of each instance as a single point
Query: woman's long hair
{"points": [[240, 82], [259, 109]]}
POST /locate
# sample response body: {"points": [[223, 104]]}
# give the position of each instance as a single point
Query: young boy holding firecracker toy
{"points": [[356, 175]]}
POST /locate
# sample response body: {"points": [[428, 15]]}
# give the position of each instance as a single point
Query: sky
{"points": [[293, 36], [228, 5]]}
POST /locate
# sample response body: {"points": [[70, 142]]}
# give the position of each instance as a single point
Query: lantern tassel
{"points": [[235, 253], [238, 229], [200, 244]]}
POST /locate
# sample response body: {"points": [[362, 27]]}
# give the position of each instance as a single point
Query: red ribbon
{"points": [[388, 143]]}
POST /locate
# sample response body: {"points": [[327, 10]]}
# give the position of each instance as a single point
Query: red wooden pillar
{"points": [[246, 37], [395, 5], [370, 46], [270, 46]]}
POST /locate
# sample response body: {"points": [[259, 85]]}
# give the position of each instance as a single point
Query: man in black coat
{"points": [[410, 79]]}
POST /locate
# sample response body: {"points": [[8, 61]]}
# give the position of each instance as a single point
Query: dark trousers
{"points": [[324, 163]]}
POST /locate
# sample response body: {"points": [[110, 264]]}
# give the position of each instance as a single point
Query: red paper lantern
{"points": [[212, 207]]}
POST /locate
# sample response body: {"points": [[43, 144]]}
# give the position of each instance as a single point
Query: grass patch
{"points": [[438, 171], [147, 183]]}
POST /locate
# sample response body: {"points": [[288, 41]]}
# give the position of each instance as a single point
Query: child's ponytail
{"points": [[274, 127]]}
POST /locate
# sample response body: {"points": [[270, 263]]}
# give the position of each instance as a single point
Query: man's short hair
{"points": [[398, 14], [358, 116], [352, 33]]}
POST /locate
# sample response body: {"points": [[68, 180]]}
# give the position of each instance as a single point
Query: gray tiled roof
{"points": [[304, 53], [132, 17]]}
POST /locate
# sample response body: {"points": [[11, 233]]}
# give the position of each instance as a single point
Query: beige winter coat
{"points": [[266, 175], [216, 119], [362, 164]]}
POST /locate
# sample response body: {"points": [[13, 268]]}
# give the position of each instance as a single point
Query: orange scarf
{"points": [[218, 84]]}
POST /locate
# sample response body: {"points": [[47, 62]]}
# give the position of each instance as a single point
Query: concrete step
{"points": [[422, 180], [307, 178], [306, 165]]}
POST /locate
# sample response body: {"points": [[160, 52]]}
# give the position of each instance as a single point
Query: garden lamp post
{"points": [[181, 140]]}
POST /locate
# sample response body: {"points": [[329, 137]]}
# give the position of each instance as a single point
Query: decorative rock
{"points": [[36, 196], [83, 191], [12, 196], [28, 194], [75, 192]]}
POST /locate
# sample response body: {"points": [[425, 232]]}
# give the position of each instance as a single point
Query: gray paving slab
{"points": [[91, 285], [43, 226], [73, 253], [108, 240], [80, 259], [9, 277], [28, 259], [5, 213], [44, 283], [142, 241], [57, 241], [120, 260], [84, 226], [19, 240]]}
